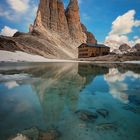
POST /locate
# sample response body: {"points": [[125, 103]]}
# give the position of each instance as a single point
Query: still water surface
{"points": [[58, 95]]}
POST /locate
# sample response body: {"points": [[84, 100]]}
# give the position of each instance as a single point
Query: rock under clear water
{"points": [[55, 101]]}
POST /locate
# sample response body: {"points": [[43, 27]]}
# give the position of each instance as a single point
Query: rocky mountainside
{"points": [[56, 32], [124, 47], [137, 47]]}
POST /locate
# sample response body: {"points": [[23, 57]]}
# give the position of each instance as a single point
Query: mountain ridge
{"points": [[56, 32]]}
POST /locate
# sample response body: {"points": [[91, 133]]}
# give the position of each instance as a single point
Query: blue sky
{"points": [[97, 15]]}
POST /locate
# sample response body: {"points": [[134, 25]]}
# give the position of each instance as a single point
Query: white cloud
{"points": [[137, 23], [135, 37], [124, 24], [19, 5], [7, 31], [4, 13], [137, 41], [11, 84], [24, 16], [114, 41], [121, 27], [116, 83]]}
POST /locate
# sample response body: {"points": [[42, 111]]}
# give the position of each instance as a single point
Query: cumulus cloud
{"points": [[121, 27], [137, 23], [137, 40], [135, 37], [19, 5], [116, 83], [4, 13], [11, 84], [124, 24], [19, 11], [7, 31]]}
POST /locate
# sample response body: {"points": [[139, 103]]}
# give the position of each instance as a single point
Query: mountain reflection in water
{"points": [[47, 95]]}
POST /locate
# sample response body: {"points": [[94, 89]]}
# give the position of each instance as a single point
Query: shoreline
{"points": [[22, 57]]}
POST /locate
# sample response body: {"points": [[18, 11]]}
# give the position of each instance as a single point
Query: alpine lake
{"points": [[70, 101]]}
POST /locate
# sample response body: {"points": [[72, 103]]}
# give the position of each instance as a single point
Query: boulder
{"points": [[103, 112], [86, 115], [19, 137], [51, 134]]}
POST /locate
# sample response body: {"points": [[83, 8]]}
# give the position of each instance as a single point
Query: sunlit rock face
{"points": [[43, 14], [62, 21], [51, 15], [61, 29], [90, 38], [56, 32], [73, 19]]}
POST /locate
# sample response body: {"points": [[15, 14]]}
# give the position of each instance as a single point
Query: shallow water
{"points": [[48, 95]]}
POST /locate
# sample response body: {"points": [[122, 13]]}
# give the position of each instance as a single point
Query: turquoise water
{"points": [[49, 95]]}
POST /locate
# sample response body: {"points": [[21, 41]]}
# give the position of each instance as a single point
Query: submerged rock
{"points": [[106, 126], [132, 109], [134, 99], [36, 134], [51, 134], [86, 115], [19, 137], [103, 112], [32, 133]]}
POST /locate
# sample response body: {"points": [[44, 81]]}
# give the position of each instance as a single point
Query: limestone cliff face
{"points": [[43, 14], [62, 21], [56, 32], [73, 19], [52, 16], [90, 37]]}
